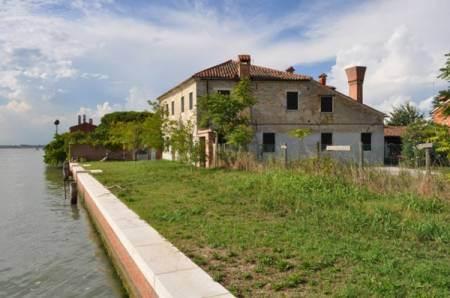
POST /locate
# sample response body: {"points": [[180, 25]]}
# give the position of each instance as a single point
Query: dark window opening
{"points": [[268, 142], [167, 109], [182, 104], [292, 100], [326, 104], [172, 108], [224, 92], [326, 139], [191, 99], [366, 140]]}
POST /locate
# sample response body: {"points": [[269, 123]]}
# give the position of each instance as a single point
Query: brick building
{"points": [[83, 125], [285, 101]]}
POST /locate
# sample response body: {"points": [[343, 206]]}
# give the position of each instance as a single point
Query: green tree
{"points": [[55, 152], [182, 143], [300, 134], [404, 115], [229, 115], [58, 150], [108, 124], [129, 135], [426, 132], [444, 95]]}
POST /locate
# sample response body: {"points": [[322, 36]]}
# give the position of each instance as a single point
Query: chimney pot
{"points": [[355, 77], [84, 118], [244, 66], [290, 69], [323, 79], [79, 119]]}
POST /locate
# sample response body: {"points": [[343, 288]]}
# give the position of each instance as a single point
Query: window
{"points": [[224, 92], [292, 100], [326, 139], [268, 142], [326, 104], [366, 140], [191, 99], [182, 104], [172, 108], [167, 109]]}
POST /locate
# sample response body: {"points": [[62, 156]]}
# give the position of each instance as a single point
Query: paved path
{"points": [[397, 170]]}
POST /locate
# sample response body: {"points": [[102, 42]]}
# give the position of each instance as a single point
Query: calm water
{"points": [[47, 247]]}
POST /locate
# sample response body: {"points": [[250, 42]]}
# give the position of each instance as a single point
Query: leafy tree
{"points": [[152, 136], [229, 116], [444, 95], [129, 135], [182, 143], [426, 132], [108, 124], [58, 150], [404, 115], [55, 152], [300, 134]]}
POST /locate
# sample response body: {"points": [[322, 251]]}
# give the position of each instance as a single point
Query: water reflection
{"points": [[75, 212], [48, 247]]}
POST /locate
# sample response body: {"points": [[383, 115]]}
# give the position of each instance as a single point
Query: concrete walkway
{"points": [[398, 170]]}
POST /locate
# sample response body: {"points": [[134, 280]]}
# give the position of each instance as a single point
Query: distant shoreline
{"points": [[21, 146]]}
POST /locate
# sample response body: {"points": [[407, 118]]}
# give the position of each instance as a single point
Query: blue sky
{"points": [[61, 58]]}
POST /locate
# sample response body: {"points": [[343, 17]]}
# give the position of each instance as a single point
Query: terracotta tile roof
{"points": [[229, 70], [394, 131]]}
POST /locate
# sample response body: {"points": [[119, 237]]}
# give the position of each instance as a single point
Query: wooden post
{"points": [[73, 193], [216, 149], [428, 161], [361, 156], [284, 148], [318, 149]]}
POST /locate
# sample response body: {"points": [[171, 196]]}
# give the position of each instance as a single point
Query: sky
{"points": [[60, 58]]}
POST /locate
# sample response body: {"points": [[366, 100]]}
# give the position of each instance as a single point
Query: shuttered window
{"points": [[366, 140], [268, 142], [326, 139], [326, 104], [191, 99], [292, 100]]}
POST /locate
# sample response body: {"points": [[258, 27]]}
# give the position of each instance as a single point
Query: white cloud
{"points": [[18, 106], [137, 99], [99, 54]]}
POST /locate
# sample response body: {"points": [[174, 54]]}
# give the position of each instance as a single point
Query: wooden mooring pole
{"points": [[73, 193]]}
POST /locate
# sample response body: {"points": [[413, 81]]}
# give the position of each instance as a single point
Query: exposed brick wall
{"points": [[91, 153]]}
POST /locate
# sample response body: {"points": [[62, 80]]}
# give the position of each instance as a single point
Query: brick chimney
{"points": [[90, 121], [291, 69], [244, 66], [323, 79], [79, 119], [355, 77], [84, 118]]}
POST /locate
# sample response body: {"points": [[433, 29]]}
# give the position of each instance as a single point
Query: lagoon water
{"points": [[47, 247]]}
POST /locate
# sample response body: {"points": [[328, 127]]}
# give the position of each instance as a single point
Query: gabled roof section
{"points": [[229, 70]]}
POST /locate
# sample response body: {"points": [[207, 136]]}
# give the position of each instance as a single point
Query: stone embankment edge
{"points": [[147, 263]]}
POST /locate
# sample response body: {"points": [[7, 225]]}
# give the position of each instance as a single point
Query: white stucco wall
{"points": [[308, 146]]}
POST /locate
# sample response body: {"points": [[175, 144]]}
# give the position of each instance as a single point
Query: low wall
{"points": [[89, 153], [95, 153], [149, 265]]}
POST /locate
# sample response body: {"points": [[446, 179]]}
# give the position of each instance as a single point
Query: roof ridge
{"points": [[212, 67]]}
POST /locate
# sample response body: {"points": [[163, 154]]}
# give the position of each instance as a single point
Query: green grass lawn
{"points": [[282, 233]]}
